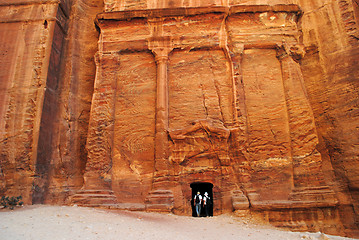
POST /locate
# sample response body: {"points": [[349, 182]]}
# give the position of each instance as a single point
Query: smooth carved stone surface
{"points": [[208, 98], [133, 152], [268, 140]]}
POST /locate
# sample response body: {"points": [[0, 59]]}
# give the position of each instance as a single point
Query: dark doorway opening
{"points": [[202, 187]]}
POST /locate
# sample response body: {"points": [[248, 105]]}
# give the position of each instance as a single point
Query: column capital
{"points": [[296, 51], [161, 53]]}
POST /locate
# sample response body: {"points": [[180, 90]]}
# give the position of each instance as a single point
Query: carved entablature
{"points": [[121, 5], [200, 142], [214, 27]]}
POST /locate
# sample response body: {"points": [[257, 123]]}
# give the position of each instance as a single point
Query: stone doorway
{"points": [[202, 187]]}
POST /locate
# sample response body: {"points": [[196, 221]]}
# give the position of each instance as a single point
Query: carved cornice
{"points": [[155, 28], [158, 13], [33, 13], [28, 2], [172, 12], [265, 8]]}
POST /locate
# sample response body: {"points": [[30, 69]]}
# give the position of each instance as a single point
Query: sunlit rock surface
{"points": [[133, 104]]}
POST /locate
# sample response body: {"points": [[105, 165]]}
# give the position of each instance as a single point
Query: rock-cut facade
{"points": [[138, 105]]}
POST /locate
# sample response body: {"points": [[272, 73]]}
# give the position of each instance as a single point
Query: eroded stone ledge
{"points": [[173, 12]]}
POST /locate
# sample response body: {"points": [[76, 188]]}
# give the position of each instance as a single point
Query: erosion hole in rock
{"points": [[202, 187]]}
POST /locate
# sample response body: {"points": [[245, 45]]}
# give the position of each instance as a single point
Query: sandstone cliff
{"points": [[138, 102]]}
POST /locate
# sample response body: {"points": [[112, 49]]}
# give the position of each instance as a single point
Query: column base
{"points": [[94, 198], [160, 201], [239, 201]]}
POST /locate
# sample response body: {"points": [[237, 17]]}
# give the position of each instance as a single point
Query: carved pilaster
{"points": [[232, 109], [100, 134], [97, 189], [306, 159], [161, 198], [235, 52], [161, 137]]}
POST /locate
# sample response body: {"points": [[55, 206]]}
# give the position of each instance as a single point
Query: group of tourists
{"points": [[202, 203]]}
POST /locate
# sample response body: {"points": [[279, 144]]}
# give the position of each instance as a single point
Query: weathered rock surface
{"points": [[46, 89], [27, 33], [256, 99]]}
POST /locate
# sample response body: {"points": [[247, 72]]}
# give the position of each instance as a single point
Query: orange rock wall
{"points": [[330, 33], [268, 139], [65, 156], [26, 34], [258, 100], [45, 96], [207, 95], [134, 145], [201, 86]]}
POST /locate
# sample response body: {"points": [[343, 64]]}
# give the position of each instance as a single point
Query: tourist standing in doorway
{"points": [[206, 203], [197, 203]]}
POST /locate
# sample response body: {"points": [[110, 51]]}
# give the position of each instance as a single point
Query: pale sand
{"points": [[43, 222]]}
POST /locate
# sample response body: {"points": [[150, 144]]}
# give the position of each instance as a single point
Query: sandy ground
{"points": [[42, 222]]}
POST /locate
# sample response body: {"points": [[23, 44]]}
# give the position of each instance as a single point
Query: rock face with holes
{"points": [[254, 102]]}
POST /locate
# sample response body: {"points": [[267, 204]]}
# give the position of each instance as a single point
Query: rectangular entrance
{"points": [[202, 188]]}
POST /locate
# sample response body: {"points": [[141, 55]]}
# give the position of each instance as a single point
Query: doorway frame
{"points": [[202, 187]]}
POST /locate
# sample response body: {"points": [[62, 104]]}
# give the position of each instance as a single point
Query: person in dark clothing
{"points": [[198, 203], [206, 203]]}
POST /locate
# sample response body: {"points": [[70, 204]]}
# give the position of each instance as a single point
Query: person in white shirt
{"points": [[206, 203]]}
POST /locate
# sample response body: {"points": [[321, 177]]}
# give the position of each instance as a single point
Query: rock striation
{"points": [[139, 104]]}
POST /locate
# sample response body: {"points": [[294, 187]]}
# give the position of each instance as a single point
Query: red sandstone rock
{"points": [[257, 99]]}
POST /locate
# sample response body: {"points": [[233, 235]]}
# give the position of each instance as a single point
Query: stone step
{"points": [[77, 196], [162, 192], [94, 201], [131, 206], [94, 198], [239, 200], [95, 191], [159, 207], [160, 200], [105, 205], [320, 193], [117, 206]]}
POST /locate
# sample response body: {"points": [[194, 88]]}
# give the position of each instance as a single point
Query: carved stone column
{"points": [[161, 197], [161, 137]]}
